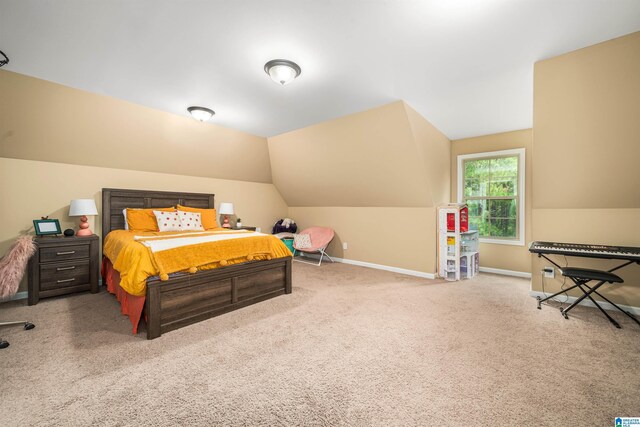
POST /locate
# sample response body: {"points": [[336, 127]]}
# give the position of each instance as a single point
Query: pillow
{"points": [[207, 216], [302, 241], [168, 221], [190, 220], [143, 219]]}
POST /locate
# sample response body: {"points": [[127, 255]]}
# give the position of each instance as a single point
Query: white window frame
{"points": [[520, 152]]}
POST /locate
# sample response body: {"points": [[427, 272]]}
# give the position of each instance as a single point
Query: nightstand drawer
{"points": [[64, 274], [63, 253]]}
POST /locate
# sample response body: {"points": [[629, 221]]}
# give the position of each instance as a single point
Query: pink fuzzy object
{"points": [[13, 264]]}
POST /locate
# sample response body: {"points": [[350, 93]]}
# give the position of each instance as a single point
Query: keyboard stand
{"points": [[582, 276]]}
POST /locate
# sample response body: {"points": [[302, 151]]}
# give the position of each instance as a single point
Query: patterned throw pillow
{"points": [[190, 220], [168, 221], [302, 241]]}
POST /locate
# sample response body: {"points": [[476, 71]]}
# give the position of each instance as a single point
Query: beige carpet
{"points": [[350, 346]]}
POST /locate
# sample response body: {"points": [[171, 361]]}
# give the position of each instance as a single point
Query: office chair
{"points": [[12, 267]]}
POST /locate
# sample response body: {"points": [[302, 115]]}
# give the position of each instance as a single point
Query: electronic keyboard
{"points": [[586, 250]]}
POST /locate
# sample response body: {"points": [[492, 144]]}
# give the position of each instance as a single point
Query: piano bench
{"points": [[587, 275], [582, 276]]}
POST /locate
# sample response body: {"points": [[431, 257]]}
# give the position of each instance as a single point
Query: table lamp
{"points": [[226, 209], [82, 208]]}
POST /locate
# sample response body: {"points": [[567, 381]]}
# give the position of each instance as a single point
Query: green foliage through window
{"points": [[491, 191]]}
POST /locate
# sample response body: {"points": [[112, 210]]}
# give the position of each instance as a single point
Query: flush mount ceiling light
{"points": [[201, 113], [282, 71]]}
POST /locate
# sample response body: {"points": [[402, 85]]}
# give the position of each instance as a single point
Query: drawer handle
{"points": [[66, 253], [66, 280], [65, 268]]}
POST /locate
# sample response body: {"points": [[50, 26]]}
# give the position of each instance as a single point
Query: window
{"points": [[492, 185]]}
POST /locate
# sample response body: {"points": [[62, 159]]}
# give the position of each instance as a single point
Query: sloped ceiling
{"points": [[587, 132], [434, 149], [40, 120], [373, 158]]}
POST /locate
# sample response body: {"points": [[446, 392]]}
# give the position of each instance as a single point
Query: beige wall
{"points": [[40, 120], [375, 177], [31, 189], [587, 127], [505, 257], [434, 149], [364, 159], [396, 237], [585, 155]]}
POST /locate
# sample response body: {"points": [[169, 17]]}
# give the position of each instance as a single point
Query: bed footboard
{"points": [[191, 298]]}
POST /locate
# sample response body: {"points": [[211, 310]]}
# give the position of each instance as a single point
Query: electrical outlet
{"points": [[549, 272], [345, 245]]}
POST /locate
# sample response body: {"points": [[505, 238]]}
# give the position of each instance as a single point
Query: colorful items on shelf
{"points": [[464, 219], [458, 256]]}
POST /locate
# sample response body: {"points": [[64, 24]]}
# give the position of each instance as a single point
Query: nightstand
{"points": [[63, 265], [245, 227]]}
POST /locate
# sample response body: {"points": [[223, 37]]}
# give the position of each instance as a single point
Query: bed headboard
{"points": [[114, 200]]}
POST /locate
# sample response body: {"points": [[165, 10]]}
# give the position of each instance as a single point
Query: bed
{"points": [[187, 298]]}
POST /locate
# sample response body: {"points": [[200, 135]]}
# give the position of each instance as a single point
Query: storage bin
{"points": [[288, 242]]}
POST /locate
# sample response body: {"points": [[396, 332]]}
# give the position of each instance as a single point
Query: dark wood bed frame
{"points": [[191, 298]]}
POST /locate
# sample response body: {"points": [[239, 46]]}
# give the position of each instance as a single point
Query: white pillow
{"points": [[124, 212], [168, 221], [190, 220], [302, 241]]}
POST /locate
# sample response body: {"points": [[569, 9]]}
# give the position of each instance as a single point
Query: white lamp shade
{"points": [[226, 209], [80, 207]]}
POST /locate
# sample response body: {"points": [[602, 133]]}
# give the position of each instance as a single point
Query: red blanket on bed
{"points": [[131, 305]]}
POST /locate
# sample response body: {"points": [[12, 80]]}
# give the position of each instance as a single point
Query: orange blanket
{"points": [[140, 255]]}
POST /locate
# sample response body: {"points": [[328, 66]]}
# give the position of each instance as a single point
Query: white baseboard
{"points": [[522, 274], [378, 266], [588, 303]]}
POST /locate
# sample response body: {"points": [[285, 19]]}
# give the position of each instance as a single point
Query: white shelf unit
{"points": [[458, 256]]}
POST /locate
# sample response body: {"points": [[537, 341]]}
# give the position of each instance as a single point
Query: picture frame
{"points": [[46, 227]]}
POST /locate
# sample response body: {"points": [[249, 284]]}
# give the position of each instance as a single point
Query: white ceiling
{"points": [[465, 65]]}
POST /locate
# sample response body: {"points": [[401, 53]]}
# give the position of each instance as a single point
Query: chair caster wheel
{"points": [[28, 326], [4, 344]]}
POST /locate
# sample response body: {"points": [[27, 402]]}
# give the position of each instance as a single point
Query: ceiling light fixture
{"points": [[282, 71], [201, 113]]}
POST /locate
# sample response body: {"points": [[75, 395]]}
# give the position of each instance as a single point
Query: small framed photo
{"points": [[45, 227]]}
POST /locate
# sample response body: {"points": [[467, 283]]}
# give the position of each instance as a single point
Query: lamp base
{"points": [[84, 228], [226, 224]]}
